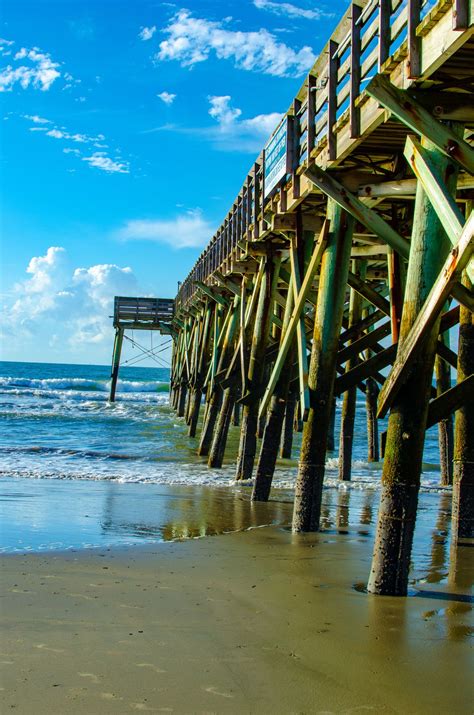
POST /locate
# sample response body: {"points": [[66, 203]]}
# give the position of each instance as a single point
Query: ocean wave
{"points": [[188, 474], [80, 384]]}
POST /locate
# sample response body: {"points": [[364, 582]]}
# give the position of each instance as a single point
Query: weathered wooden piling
{"points": [[463, 472], [256, 368], [322, 368], [116, 362], [350, 396], [445, 426], [275, 416], [407, 422], [286, 446]]}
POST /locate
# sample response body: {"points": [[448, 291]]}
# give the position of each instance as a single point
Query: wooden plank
{"points": [[364, 342], [366, 291], [453, 266], [364, 324], [300, 336], [212, 294], [418, 119], [450, 401], [295, 317], [365, 369]]}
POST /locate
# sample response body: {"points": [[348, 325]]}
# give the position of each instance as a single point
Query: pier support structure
{"points": [[362, 181], [322, 368]]}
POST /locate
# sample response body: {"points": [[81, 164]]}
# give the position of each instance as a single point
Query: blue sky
{"points": [[127, 129]]}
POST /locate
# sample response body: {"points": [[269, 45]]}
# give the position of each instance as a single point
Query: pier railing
{"points": [[372, 38]]}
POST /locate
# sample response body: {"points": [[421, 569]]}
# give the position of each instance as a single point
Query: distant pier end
{"points": [[138, 314]]}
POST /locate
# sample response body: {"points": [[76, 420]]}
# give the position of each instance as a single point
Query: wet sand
{"points": [[259, 621]]}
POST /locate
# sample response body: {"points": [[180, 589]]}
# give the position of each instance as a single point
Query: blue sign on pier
{"points": [[275, 158]]}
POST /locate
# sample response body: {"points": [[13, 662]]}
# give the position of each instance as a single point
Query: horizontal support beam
{"points": [[448, 402], [418, 119], [365, 369], [365, 342]]}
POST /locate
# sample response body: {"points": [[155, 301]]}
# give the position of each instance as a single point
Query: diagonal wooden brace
{"points": [[354, 206], [442, 201], [418, 119], [295, 317], [454, 265]]}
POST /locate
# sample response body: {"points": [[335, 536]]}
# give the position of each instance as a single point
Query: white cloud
{"points": [[222, 111], [185, 231], [236, 134], [100, 160], [56, 134], [289, 10], [231, 132], [37, 70], [146, 33], [37, 120], [74, 304], [192, 40], [167, 97]]}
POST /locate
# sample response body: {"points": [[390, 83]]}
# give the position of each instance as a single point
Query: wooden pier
{"points": [[344, 265], [138, 314]]}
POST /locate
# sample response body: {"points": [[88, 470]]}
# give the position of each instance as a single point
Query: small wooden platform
{"points": [[143, 313]]}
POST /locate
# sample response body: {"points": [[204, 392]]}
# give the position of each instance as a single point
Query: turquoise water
{"points": [[67, 454]]}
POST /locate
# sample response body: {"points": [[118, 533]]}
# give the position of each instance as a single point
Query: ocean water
{"points": [[67, 454]]}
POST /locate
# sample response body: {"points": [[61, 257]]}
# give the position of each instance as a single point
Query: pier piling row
{"points": [[344, 266]]}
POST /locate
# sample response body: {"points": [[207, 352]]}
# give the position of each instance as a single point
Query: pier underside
{"points": [[344, 265]]}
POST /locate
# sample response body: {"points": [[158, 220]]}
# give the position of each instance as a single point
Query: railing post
{"points": [[354, 118], [310, 114], [413, 62], [333, 63], [384, 31], [460, 14]]}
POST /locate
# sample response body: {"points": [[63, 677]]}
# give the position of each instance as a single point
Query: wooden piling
{"points": [[349, 400], [407, 422], [288, 426], [463, 471], [116, 362], [331, 443], [275, 416], [207, 431], [371, 394], [219, 440], [182, 395], [445, 426], [322, 369], [256, 368]]}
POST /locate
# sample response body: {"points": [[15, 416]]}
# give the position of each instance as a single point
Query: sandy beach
{"points": [[258, 621]]}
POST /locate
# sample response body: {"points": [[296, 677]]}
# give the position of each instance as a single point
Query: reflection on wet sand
{"points": [[187, 513]]}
